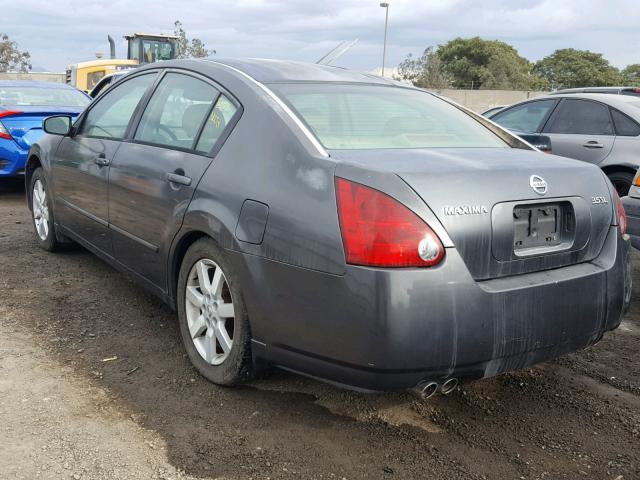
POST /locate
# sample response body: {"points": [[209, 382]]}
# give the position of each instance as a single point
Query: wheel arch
{"points": [[624, 167], [33, 162], [181, 245]]}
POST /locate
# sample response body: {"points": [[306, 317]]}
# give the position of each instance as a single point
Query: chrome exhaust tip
{"points": [[449, 386], [425, 389]]}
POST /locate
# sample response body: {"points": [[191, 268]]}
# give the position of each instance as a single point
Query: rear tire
{"points": [[622, 182], [213, 318], [42, 214]]}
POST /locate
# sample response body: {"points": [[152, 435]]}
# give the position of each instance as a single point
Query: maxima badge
{"points": [[538, 184]]}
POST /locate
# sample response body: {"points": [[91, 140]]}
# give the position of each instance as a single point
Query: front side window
{"points": [[112, 113], [524, 118], [377, 117], [176, 112], [581, 117]]}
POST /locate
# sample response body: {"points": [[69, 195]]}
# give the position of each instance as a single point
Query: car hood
{"points": [[474, 194]]}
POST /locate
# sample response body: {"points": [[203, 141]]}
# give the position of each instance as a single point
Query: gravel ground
{"points": [[94, 384]]}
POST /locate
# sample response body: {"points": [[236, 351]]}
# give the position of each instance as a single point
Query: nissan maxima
{"points": [[334, 223]]}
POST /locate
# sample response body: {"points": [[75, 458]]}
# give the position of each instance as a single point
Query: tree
{"points": [[478, 63], [571, 68], [424, 72], [194, 48], [11, 58], [631, 75]]}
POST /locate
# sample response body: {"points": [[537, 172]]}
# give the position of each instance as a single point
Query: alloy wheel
{"points": [[210, 312], [40, 210]]}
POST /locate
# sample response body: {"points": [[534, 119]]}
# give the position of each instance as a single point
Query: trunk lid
{"points": [[25, 125], [485, 201]]}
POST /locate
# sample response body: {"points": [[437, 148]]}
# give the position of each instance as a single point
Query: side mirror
{"points": [[57, 125]]}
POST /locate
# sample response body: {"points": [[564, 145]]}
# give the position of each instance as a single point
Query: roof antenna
{"points": [[336, 52]]}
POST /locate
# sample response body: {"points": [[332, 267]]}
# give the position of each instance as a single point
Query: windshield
{"points": [[377, 117], [42, 96]]}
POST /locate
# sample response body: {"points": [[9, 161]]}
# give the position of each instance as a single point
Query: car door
{"points": [[581, 129], [155, 173], [81, 163]]}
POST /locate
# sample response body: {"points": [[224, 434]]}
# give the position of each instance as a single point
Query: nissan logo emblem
{"points": [[538, 184]]}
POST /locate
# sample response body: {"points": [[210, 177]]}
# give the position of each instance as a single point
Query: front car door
{"points": [[155, 173], [581, 129], [81, 164]]}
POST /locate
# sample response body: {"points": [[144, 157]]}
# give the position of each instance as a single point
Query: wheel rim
{"points": [[40, 210], [210, 311]]}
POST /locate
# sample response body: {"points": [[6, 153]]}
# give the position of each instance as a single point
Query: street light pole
{"points": [[385, 5]]}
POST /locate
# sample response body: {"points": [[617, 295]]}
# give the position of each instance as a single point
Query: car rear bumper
{"points": [[378, 329], [12, 158]]}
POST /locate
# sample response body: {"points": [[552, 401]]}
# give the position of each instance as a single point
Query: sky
{"points": [[61, 32]]}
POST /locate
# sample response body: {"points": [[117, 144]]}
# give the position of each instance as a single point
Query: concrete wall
{"points": [[36, 76], [481, 100]]}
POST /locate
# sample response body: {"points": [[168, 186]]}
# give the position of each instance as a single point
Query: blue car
{"points": [[23, 106]]}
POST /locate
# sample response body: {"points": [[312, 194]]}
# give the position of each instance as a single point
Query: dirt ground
{"points": [[94, 384]]}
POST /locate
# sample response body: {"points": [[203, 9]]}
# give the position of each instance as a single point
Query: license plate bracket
{"points": [[540, 227]]}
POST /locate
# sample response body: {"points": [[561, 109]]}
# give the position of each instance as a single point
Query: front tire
{"points": [[213, 319], [42, 213]]}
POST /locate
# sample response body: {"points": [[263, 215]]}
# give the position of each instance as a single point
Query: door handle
{"points": [[178, 178], [101, 160], [593, 144]]}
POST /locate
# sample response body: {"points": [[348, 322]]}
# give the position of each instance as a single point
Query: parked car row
{"points": [[341, 225]]}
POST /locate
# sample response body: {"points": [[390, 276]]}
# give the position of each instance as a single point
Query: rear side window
{"points": [[111, 114], [217, 120], [357, 117], [176, 112], [624, 125], [581, 117], [525, 118]]}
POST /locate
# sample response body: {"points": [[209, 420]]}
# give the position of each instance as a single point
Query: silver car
{"points": [[603, 129]]}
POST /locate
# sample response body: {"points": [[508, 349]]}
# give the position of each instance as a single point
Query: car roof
{"points": [[594, 90], [274, 71], [278, 71], [34, 84]]}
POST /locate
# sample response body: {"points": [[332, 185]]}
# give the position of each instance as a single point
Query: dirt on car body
{"points": [[94, 383]]}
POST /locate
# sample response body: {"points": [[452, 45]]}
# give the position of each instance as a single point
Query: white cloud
{"points": [[68, 31]]}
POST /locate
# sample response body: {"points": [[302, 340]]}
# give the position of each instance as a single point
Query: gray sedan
{"points": [[334, 224], [603, 129]]}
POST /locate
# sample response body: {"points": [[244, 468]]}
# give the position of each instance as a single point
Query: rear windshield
{"points": [[38, 96], [375, 117]]}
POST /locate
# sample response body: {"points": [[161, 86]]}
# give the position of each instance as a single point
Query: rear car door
{"points": [[81, 163], [155, 172], [581, 129]]}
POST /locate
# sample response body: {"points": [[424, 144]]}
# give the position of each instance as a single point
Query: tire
{"points": [[203, 313], [42, 214], [622, 182]]}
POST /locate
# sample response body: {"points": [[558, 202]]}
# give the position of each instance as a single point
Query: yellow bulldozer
{"points": [[141, 48]]}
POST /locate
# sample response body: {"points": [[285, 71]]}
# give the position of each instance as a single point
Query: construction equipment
{"points": [[141, 48]]}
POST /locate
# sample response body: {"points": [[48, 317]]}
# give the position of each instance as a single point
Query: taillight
{"points": [[3, 131], [378, 231], [621, 215]]}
